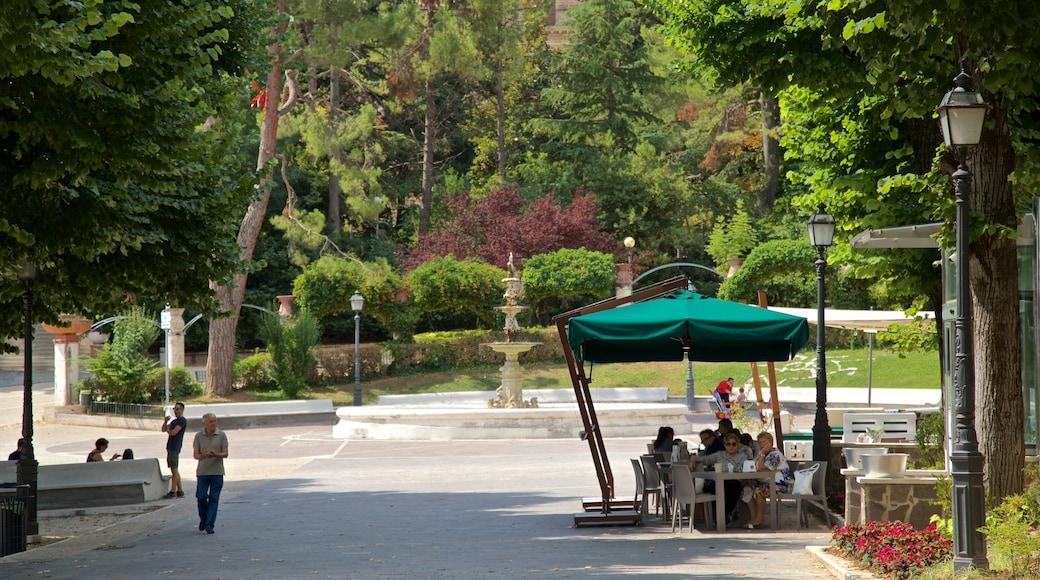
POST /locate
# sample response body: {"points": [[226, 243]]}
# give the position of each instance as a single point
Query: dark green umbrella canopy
{"points": [[716, 330]]}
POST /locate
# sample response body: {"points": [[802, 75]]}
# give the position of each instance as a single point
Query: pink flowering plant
{"points": [[892, 549]]}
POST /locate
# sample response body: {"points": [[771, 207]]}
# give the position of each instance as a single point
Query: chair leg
{"points": [[676, 515]]}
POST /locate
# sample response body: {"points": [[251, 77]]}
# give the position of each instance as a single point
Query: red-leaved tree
{"points": [[491, 227]]}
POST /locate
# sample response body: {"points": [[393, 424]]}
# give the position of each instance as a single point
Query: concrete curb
{"points": [[838, 567]]}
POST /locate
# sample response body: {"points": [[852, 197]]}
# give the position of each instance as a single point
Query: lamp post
{"points": [[821, 236], [961, 115], [357, 302], [28, 468]]}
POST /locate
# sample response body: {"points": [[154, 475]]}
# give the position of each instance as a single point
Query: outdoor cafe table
{"points": [[720, 491]]}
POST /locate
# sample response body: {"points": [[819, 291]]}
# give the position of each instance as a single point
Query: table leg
{"points": [[720, 504], [774, 504]]}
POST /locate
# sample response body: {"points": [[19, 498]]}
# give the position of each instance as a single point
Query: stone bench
{"points": [[102, 483], [265, 413]]}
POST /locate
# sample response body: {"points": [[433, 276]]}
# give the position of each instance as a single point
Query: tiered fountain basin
{"points": [[621, 412]]}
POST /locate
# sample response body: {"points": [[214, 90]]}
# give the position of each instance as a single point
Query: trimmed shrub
{"points": [[253, 373], [182, 385]]}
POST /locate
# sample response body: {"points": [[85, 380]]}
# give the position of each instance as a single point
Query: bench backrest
{"points": [[98, 473], [896, 426], [263, 408]]}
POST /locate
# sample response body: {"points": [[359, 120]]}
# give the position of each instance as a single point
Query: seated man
{"points": [[711, 443]]}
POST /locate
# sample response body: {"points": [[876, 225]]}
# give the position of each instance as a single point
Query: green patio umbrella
{"points": [[715, 330]]}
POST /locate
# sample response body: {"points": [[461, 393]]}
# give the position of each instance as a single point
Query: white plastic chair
{"points": [[818, 497], [652, 486], [684, 493]]}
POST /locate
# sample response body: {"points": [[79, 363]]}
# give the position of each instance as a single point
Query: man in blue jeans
{"points": [[211, 447]]}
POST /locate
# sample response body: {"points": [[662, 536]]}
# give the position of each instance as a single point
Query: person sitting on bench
{"points": [[100, 446]]}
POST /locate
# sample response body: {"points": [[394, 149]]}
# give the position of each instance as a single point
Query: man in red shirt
{"points": [[723, 389]]}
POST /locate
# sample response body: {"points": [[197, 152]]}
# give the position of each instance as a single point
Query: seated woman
{"points": [[664, 441], [769, 459], [731, 459], [99, 449]]}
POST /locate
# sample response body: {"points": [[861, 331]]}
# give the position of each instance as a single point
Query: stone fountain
{"points": [[510, 393]]}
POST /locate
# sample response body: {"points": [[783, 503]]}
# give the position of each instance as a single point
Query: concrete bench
{"points": [[318, 411], [102, 483], [896, 426]]}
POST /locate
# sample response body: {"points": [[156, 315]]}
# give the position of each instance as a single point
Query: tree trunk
{"points": [[221, 361], [999, 415], [429, 134], [770, 153], [500, 117], [333, 219]]}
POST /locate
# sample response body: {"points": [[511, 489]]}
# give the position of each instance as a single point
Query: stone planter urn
{"points": [[69, 325]]}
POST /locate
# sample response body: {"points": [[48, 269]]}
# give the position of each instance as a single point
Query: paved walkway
{"points": [[299, 504]]}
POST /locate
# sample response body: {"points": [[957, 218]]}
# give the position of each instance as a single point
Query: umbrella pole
{"points": [[759, 400]]}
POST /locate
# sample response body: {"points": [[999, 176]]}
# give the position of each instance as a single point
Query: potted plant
{"points": [[731, 241]]}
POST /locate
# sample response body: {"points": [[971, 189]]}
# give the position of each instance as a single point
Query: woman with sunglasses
{"points": [[731, 458]]}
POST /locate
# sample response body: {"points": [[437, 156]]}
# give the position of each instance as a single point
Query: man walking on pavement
{"points": [[211, 447], [174, 442]]}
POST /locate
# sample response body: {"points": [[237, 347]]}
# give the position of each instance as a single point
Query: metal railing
{"points": [[127, 410]]}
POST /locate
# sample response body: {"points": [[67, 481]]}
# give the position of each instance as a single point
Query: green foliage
{"points": [[565, 273], [468, 286], [1011, 530], [930, 437], [733, 238], [291, 344], [124, 188], [917, 336], [254, 373], [182, 385], [783, 268], [326, 285], [459, 350], [120, 368]]}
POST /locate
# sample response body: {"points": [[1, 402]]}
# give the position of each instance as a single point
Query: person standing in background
{"points": [[175, 430]]}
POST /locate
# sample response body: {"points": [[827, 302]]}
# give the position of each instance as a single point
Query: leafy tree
{"points": [[505, 33], [784, 270], [326, 285], [567, 275], [599, 83], [120, 127], [291, 344], [492, 227], [467, 286]]}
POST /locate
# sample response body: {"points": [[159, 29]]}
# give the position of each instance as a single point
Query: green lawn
{"points": [[846, 368]]}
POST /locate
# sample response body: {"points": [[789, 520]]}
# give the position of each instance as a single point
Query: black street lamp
{"points": [[961, 115], [28, 468], [357, 302], [821, 236]]}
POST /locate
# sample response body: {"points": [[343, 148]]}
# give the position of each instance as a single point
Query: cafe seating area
{"points": [[673, 493]]}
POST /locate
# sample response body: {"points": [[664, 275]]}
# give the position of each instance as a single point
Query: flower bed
{"points": [[892, 549]]}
